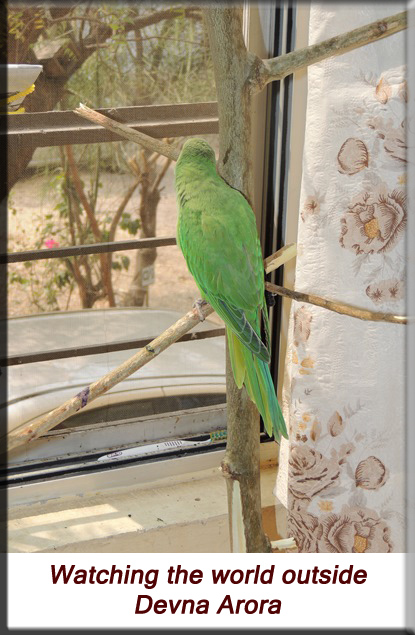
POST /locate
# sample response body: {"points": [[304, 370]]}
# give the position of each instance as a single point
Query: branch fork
{"points": [[275, 69]]}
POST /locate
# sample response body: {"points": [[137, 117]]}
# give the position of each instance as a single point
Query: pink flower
{"points": [[50, 243]]}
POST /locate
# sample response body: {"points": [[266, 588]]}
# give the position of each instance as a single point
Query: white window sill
{"points": [[159, 517]]}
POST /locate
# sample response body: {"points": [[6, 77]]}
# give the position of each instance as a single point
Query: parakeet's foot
{"points": [[269, 298], [198, 306]]}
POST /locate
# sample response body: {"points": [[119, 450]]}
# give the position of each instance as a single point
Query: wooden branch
{"points": [[128, 133], [231, 63], [104, 261], [26, 433], [280, 257], [120, 210], [73, 266], [81, 195], [161, 175], [275, 69], [116, 219], [140, 22], [338, 307]]}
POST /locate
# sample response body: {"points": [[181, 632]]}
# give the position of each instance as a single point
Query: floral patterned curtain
{"points": [[341, 475]]}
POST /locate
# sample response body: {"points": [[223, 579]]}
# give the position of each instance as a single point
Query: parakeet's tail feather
{"points": [[237, 358], [255, 374]]}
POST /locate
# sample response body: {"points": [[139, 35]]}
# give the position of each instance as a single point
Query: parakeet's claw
{"points": [[198, 306], [269, 298]]}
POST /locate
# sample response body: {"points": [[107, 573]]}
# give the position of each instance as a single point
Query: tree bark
{"points": [[104, 261], [137, 293], [338, 307], [232, 64]]}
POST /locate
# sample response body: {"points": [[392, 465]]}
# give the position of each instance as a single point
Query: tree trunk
{"points": [[232, 64], [137, 293]]}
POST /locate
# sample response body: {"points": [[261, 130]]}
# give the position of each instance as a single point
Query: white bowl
{"points": [[20, 76]]}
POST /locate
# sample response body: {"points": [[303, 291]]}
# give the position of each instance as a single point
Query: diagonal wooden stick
{"points": [[280, 257], [150, 143], [26, 433], [279, 67]]}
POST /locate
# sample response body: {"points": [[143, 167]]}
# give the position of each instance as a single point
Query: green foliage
{"points": [[15, 24], [123, 264], [129, 224], [43, 282]]}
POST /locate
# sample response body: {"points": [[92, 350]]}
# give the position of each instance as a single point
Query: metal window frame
{"points": [[286, 103], [294, 177], [56, 128], [275, 204], [60, 127]]}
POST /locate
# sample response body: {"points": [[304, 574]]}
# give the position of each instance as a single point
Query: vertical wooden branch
{"points": [[241, 463]]}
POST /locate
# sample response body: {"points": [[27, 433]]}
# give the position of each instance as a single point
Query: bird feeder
{"points": [[20, 82]]}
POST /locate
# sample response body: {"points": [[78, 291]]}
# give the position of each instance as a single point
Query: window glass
{"points": [[141, 408], [75, 192]]}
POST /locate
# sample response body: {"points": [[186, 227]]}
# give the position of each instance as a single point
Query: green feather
{"points": [[254, 373], [217, 234]]}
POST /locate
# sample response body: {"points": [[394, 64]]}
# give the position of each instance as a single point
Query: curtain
{"points": [[341, 475]]}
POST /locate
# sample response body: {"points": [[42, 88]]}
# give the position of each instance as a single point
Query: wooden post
{"points": [[232, 66]]}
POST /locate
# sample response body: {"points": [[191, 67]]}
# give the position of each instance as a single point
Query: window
{"points": [[73, 186], [65, 196]]}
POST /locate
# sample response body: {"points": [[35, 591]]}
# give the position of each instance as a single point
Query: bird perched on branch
{"points": [[217, 234]]}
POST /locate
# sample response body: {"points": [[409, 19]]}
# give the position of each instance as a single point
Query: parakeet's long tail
{"points": [[255, 374]]}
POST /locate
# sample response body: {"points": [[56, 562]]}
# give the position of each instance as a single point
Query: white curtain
{"points": [[341, 475]]}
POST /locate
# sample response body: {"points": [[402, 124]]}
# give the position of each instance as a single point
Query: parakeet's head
{"points": [[197, 149]]}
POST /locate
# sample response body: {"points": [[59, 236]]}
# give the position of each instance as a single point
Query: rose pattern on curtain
{"points": [[341, 474]]}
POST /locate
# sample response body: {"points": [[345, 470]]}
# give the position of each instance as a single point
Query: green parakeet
{"points": [[217, 234]]}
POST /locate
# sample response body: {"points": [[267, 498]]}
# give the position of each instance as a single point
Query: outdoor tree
{"points": [[149, 171]]}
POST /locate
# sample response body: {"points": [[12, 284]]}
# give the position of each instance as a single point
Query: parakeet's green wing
{"points": [[218, 237], [233, 286]]}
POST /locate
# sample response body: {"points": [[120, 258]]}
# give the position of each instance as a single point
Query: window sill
{"points": [[157, 519]]}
